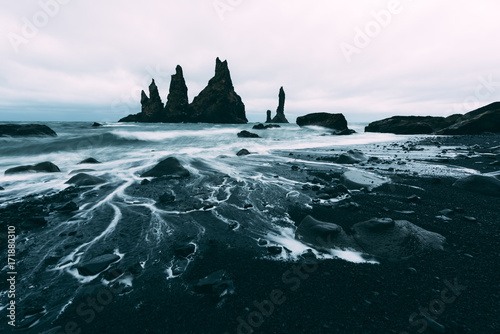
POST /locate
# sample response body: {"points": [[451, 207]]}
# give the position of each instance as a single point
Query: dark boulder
{"points": [[95, 125], [43, 167], [261, 126], [322, 235], [246, 134], [170, 167], [97, 264], [274, 250], [152, 109], [411, 125], [483, 184], [83, 179], [2, 188], [336, 122], [218, 102], [243, 151], [177, 108], [386, 238], [89, 161], [280, 111], [485, 119], [352, 157], [25, 130]]}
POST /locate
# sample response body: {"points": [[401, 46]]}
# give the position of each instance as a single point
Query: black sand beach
{"points": [[454, 290]]}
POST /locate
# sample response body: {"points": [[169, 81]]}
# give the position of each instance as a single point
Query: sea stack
{"points": [[152, 107], [177, 108], [268, 119], [280, 111], [218, 102]]}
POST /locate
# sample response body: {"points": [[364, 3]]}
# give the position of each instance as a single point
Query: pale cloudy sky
{"points": [[88, 60]]}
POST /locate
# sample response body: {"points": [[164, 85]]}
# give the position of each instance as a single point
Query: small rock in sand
{"points": [[322, 235], [357, 179], [352, 157], [97, 264], [395, 239]]}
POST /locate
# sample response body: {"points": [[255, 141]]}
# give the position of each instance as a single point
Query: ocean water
{"points": [[226, 196], [125, 149]]}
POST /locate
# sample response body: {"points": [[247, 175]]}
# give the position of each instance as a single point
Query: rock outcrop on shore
{"points": [[336, 122], [411, 125], [216, 103], [26, 130], [280, 111], [485, 119]]}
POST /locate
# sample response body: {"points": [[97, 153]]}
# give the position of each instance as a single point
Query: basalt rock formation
{"points": [[280, 111], [152, 107], [218, 102], [177, 107]]}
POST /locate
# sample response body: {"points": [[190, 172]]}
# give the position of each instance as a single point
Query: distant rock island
{"points": [[485, 119], [26, 130], [336, 122], [280, 111], [216, 103]]}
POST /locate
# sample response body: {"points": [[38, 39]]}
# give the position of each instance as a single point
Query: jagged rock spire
{"points": [[177, 106]]}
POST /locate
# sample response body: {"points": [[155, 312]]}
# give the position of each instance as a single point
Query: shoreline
{"points": [[324, 296]]}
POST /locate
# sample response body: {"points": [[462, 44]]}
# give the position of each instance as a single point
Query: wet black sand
{"points": [[458, 287]]}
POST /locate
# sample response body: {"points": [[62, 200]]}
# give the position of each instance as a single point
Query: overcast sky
{"points": [[88, 60]]}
